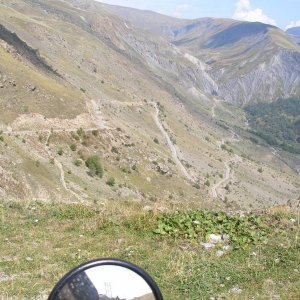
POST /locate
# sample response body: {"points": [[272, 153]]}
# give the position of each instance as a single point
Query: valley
{"points": [[145, 106], [131, 134]]}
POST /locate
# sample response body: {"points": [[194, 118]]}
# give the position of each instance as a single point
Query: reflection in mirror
{"points": [[106, 282]]}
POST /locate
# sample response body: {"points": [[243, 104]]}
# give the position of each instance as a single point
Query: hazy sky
{"points": [[282, 13]]}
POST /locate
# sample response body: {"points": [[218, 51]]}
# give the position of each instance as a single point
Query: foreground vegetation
{"points": [[40, 242], [278, 123]]}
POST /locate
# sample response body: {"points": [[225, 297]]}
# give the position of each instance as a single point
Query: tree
{"points": [[94, 165]]}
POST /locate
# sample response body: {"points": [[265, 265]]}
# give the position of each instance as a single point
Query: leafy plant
{"points": [[94, 165], [111, 181], [77, 162], [73, 147], [200, 224]]}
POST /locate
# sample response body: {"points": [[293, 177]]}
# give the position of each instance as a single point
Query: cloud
{"points": [[293, 24], [181, 10], [245, 12]]}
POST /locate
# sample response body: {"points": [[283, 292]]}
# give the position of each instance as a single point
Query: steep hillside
{"points": [[83, 90], [241, 55]]}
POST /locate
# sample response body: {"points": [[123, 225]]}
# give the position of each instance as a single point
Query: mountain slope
{"points": [[147, 108], [240, 55]]}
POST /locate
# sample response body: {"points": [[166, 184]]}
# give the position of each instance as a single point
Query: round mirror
{"points": [[106, 279]]}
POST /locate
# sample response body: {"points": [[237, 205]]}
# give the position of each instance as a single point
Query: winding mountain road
{"points": [[227, 164], [170, 144]]}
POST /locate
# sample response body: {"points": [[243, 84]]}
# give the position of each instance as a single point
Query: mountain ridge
{"points": [[217, 41]]}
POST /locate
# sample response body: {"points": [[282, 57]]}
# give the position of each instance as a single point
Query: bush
{"points": [[75, 136], [80, 131], [77, 162], [95, 132], [94, 165], [156, 141], [73, 147], [111, 181], [60, 151], [197, 186]]}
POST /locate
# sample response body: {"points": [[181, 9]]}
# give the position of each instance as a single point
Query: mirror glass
{"points": [[106, 282]]}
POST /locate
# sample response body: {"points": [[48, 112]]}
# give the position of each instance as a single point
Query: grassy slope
{"points": [[34, 256], [51, 98]]}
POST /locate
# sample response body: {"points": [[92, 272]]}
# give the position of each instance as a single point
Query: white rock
{"points": [[236, 290], [225, 237], [220, 253], [208, 246], [214, 238], [147, 208]]}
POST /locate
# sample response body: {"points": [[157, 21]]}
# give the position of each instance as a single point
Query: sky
{"points": [[282, 13]]}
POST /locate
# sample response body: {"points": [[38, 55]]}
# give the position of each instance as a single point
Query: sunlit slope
{"points": [[83, 82], [249, 62]]}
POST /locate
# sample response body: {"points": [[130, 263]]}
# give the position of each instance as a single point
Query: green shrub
{"points": [[95, 132], [75, 136], [94, 165], [111, 181], [196, 186], [60, 151], [156, 141], [80, 131], [73, 147], [77, 162]]}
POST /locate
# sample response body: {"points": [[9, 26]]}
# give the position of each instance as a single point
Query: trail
{"points": [[29, 132], [170, 144], [59, 165], [227, 174], [227, 165], [95, 112], [213, 113]]}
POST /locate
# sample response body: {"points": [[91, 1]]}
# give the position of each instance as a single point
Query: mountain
{"points": [[295, 34], [95, 108], [294, 31], [239, 55], [145, 297]]}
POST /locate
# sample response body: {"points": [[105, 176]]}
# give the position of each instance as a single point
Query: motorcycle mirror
{"points": [[106, 279]]}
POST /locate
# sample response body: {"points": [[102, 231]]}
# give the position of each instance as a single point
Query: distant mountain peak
{"points": [[294, 31]]}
